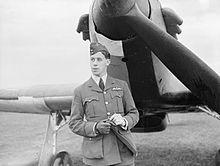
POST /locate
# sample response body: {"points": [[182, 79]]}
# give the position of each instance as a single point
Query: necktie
{"points": [[101, 84]]}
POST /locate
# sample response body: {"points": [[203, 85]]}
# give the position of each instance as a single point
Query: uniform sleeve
{"points": [[131, 112], [78, 124]]}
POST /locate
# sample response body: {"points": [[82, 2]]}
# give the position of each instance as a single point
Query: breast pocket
{"points": [[117, 102], [90, 104]]}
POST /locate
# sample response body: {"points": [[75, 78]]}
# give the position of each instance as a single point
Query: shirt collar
{"points": [[96, 79]]}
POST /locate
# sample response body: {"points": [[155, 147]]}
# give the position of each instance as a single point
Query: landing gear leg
{"points": [[48, 156], [217, 158]]}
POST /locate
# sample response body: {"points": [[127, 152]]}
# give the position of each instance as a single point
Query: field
{"points": [[191, 139]]}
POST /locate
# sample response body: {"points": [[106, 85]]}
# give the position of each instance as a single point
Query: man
{"points": [[103, 112]]}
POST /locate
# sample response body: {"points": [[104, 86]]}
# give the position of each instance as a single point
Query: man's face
{"points": [[98, 64]]}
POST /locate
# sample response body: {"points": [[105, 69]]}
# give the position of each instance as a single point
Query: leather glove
{"points": [[103, 127], [118, 119]]}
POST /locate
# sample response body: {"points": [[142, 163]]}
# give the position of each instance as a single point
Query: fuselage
{"points": [[132, 60]]}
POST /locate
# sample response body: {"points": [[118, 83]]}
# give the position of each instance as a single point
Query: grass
{"points": [[191, 139]]}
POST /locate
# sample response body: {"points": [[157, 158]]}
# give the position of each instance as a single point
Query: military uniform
{"points": [[90, 105]]}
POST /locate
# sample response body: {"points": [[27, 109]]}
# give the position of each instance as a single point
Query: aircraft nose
{"points": [[115, 8]]}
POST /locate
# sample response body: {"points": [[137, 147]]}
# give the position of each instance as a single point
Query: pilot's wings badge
{"points": [[116, 89]]}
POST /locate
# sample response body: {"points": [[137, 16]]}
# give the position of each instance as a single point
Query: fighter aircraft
{"points": [[145, 56], [141, 37]]}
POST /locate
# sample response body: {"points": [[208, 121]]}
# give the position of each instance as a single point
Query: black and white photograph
{"points": [[109, 83]]}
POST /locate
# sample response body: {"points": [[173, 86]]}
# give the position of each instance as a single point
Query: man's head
{"points": [[99, 59]]}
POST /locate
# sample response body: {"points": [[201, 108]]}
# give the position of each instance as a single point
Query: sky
{"points": [[39, 43]]}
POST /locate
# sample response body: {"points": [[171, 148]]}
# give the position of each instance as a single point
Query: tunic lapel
{"points": [[91, 84]]}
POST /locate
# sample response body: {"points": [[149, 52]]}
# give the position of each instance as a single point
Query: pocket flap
{"points": [[116, 94], [93, 138], [90, 99]]}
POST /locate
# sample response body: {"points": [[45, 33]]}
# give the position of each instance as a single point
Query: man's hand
{"points": [[118, 119], [103, 127]]}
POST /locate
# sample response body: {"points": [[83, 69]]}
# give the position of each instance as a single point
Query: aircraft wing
{"points": [[37, 99]]}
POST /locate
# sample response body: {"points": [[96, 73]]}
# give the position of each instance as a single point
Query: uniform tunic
{"points": [[90, 105]]}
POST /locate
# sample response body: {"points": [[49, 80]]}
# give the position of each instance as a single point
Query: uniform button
{"points": [[106, 102], [108, 113], [90, 139], [104, 92]]}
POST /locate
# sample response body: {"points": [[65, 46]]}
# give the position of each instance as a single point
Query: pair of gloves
{"points": [[104, 126]]}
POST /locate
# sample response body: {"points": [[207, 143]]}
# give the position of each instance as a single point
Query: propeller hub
{"points": [[115, 8]]}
